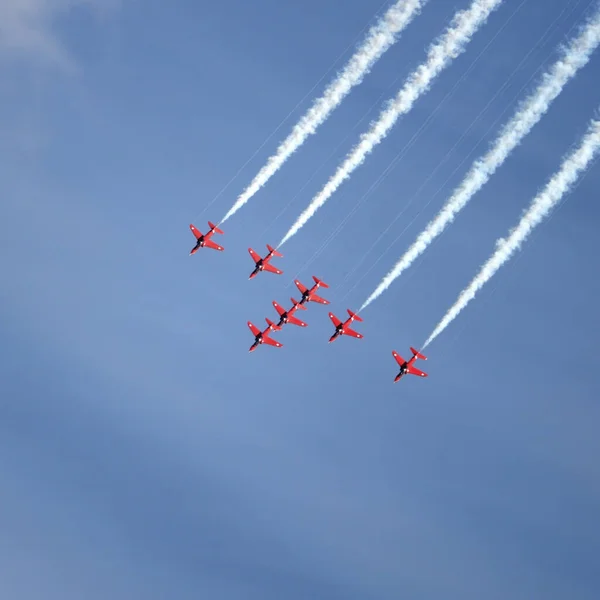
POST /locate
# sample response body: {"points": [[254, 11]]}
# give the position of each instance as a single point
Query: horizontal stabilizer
{"points": [[272, 325], [297, 304], [214, 228], [319, 282], [353, 316], [418, 354], [274, 251]]}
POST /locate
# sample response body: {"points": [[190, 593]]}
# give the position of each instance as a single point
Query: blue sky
{"points": [[145, 453]]}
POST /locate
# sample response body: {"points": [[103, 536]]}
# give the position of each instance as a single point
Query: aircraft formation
{"points": [[572, 56], [308, 295]]}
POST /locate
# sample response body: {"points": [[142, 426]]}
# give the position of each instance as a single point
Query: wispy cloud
{"points": [[28, 28]]}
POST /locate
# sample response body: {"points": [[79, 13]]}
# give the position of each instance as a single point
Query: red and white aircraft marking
{"points": [[344, 328], [310, 295], [204, 240], [263, 264], [287, 316], [263, 337], [406, 367]]}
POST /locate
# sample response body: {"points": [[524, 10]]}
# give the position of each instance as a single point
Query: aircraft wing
{"points": [[271, 342], [336, 321], [279, 309], [348, 331], [254, 329], [414, 371], [301, 287], [255, 256], [398, 358], [295, 321], [196, 232], [211, 244], [315, 298], [269, 267]]}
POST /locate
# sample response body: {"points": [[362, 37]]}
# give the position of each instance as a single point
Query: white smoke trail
{"points": [[542, 204], [529, 112], [379, 39], [440, 54]]}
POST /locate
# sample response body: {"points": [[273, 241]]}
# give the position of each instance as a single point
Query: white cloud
{"points": [[28, 28]]}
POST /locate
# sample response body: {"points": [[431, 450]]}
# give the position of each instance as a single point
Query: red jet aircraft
{"points": [[309, 295], [344, 328], [406, 366], [204, 240], [262, 337], [262, 264], [287, 316]]}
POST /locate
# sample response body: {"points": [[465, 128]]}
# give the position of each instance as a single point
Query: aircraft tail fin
{"points": [[274, 251], [320, 282], [214, 227], [418, 354], [353, 315]]}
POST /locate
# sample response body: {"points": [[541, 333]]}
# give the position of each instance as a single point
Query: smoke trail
{"points": [[440, 54], [529, 112], [379, 39], [541, 206]]}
